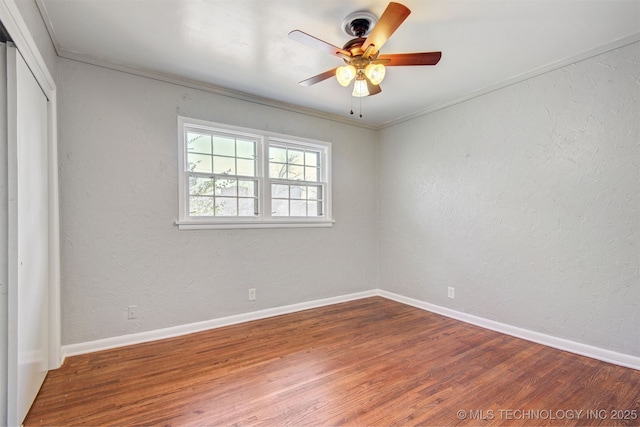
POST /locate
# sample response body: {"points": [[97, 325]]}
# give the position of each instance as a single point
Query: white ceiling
{"points": [[241, 46]]}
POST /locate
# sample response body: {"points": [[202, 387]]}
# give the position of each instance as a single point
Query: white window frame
{"points": [[264, 219]]}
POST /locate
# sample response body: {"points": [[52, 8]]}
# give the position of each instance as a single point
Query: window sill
{"points": [[222, 225]]}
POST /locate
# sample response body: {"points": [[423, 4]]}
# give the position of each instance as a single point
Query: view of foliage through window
{"points": [[218, 167], [237, 177]]}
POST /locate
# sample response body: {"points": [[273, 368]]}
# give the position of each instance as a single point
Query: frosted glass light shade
{"points": [[345, 74], [375, 73], [360, 88]]}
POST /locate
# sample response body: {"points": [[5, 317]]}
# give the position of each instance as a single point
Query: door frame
{"points": [[21, 36]]}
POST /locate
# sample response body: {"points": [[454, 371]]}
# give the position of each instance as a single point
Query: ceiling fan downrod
{"points": [[360, 27]]}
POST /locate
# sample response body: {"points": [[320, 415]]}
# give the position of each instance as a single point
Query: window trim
{"points": [[263, 141]]}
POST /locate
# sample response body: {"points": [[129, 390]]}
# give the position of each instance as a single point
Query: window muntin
{"points": [[296, 200], [296, 186], [218, 164], [220, 196], [289, 163], [234, 177]]}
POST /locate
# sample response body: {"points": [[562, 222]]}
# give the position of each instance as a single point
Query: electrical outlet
{"points": [[252, 294], [132, 312], [451, 292]]}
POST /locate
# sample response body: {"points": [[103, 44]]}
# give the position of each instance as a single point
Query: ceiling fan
{"points": [[364, 63]]}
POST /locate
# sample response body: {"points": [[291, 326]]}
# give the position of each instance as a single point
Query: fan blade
{"points": [[316, 43], [373, 89], [320, 77], [400, 59], [391, 18]]}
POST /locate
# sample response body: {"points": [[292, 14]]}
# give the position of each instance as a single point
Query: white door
{"points": [[28, 249]]}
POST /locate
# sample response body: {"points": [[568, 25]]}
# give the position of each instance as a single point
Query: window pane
{"points": [[247, 207], [198, 143], [224, 146], [247, 188], [311, 158], [280, 191], [311, 174], [314, 209], [226, 187], [277, 171], [280, 207], [277, 154], [298, 208], [246, 149], [199, 163], [246, 167], [298, 192], [295, 173], [200, 206], [200, 186], [226, 206], [224, 165], [312, 192], [296, 157]]}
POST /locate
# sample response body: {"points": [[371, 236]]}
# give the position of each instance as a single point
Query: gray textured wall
{"points": [[526, 200], [119, 198]]}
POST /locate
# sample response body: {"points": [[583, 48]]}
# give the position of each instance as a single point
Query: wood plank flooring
{"points": [[366, 362]]}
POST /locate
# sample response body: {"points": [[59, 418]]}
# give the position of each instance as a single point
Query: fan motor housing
{"points": [[355, 46]]}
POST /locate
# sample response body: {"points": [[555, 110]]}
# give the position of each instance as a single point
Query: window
{"points": [[233, 177], [222, 174], [296, 189]]}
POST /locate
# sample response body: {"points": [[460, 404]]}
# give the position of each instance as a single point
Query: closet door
{"points": [[28, 221], [4, 228]]}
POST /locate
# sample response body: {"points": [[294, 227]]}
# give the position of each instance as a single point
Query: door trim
{"points": [[24, 42]]}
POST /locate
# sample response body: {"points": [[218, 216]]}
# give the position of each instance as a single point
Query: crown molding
{"points": [[607, 47], [206, 87]]}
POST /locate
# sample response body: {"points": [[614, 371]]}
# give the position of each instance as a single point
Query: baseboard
{"points": [[593, 352], [174, 331], [609, 356]]}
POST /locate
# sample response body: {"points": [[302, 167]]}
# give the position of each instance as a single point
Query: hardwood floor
{"points": [[366, 362]]}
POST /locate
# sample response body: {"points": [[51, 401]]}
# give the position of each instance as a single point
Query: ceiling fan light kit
{"points": [[360, 87], [345, 74], [375, 73], [365, 65]]}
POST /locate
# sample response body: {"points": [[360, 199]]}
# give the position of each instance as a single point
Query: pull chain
{"points": [[360, 102], [351, 98]]}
